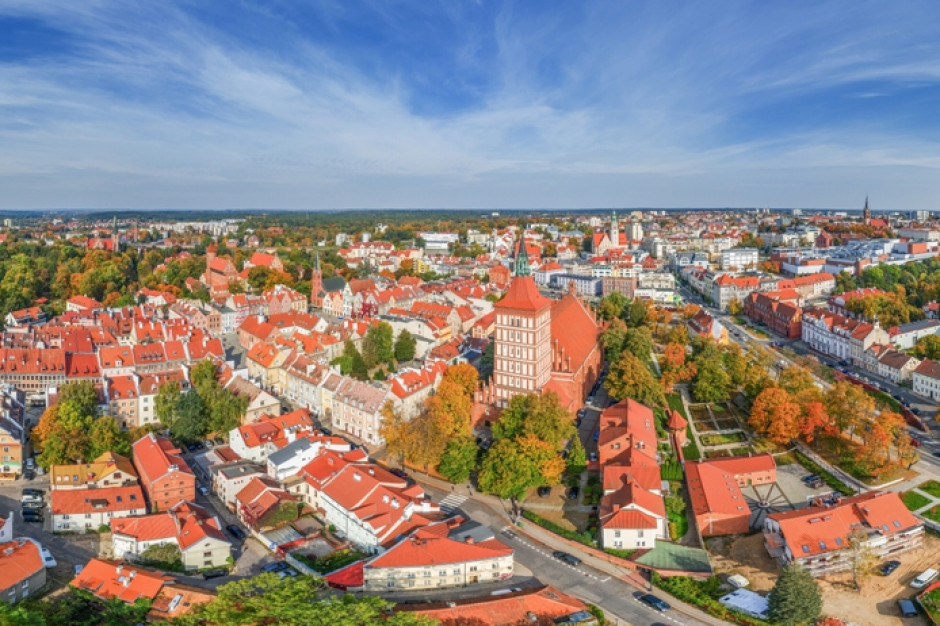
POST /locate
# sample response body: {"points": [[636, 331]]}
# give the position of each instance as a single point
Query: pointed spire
{"points": [[317, 266], [522, 260]]}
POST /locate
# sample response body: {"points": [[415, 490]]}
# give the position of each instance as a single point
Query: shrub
{"points": [[586, 538]]}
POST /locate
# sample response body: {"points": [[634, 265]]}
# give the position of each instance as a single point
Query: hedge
{"points": [[586, 538]]}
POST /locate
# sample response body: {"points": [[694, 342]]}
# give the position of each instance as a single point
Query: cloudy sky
{"points": [[534, 104]]}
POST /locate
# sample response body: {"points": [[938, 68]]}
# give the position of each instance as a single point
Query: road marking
{"points": [[450, 503]]}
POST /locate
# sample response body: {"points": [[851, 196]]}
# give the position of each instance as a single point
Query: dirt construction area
{"points": [[874, 605]]}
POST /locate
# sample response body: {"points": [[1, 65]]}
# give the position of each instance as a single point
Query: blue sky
{"points": [[554, 104]]}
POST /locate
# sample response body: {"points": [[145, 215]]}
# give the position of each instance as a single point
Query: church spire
{"points": [[522, 260]]}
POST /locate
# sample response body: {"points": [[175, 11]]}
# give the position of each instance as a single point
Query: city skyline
{"points": [[467, 105]]}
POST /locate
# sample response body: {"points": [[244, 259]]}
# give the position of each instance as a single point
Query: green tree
{"points": [[637, 313], [639, 341], [537, 414], [377, 345], [189, 422], [405, 346], [631, 378], [612, 306], [168, 398], [613, 339], [459, 459], [513, 466], [712, 382], [577, 457], [82, 396], [106, 435], [351, 362], [269, 599], [928, 347], [795, 598]]}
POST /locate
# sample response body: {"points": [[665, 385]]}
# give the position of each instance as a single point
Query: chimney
{"points": [[468, 540]]}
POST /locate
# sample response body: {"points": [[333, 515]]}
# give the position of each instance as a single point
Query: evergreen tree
{"points": [[405, 346], [795, 598]]}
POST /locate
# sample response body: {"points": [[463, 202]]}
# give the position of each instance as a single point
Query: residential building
{"points": [[704, 325], [22, 570], [780, 311], [926, 379], [817, 537], [164, 474], [109, 580], [898, 367], [186, 525], [258, 440], [80, 510], [357, 410], [439, 555], [108, 470], [12, 431], [517, 607], [230, 478], [739, 259], [906, 335]]}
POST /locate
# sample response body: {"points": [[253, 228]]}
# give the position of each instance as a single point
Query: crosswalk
{"points": [[450, 503]]}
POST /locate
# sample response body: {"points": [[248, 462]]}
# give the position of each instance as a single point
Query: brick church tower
{"points": [[522, 362], [316, 284]]}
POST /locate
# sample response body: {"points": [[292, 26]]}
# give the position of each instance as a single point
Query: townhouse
{"points": [[108, 470], [411, 387], [779, 310], [926, 379], [704, 325], [164, 474], [12, 431], [632, 510], [230, 478], [437, 556], [840, 337], [22, 570], [256, 441], [898, 367], [186, 525], [79, 510], [290, 459], [263, 504], [357, 410], [906, 335], [817, 536]]}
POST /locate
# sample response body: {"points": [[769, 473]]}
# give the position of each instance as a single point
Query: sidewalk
{"points": [[555, 542]]}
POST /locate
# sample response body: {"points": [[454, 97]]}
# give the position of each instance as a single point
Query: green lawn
{"points": [[932, 487], [720, 439], [933, 514], [913, 500]]}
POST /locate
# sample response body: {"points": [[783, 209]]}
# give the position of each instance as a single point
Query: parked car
{"points": [[287, 573], [925, 578], [47, 559], [564, 557], [544, 491], [29, 474], [582, 412], [204, 490], [810, 478], [77, 569], [199, 445], [27, 498], [235, 531], [277, 566], [219, 441], [907, 607], [590, 399], [30, 463], [33, 492], [208, 443], [573, 492], [592, 456], [888, 568], [654, 602], [33, 506], [395, 471], [191, 447], [215, 573], [915, 442], [32, 516]]}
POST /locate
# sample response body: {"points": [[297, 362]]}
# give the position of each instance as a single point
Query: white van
{"points": [[925, 578]]}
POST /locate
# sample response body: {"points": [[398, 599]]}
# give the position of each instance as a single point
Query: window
{"points": [[616, 533], [207, 554]]}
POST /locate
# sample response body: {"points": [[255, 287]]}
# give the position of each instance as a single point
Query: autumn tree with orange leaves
{"points": [[776, 415]]}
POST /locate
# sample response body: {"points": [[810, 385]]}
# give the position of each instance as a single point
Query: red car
{"points": [[915, 442]]}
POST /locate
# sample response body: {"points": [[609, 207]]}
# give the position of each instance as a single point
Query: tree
{"points": [[815, 421], [106, 435], [405, 346], [351, 362], [734, 307], [377, 345], [795, 379], [459, 459], [861, 557], [82, 395], [639, 341], [189, 421], [538, 414], [849, 406], [451, 409], [513, 466], [637, 312], [631, 378], [613, 338], [168, 397], [712, 382], [928, 347], [577, 457], [612, 306], [776, 415], [270, 599], [464, 375], [795, 598]]}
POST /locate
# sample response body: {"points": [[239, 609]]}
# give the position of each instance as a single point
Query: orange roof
{"points": [[575, 329], [156, 457], [819, 529], [430, 546], [108, 579], [503, 610], [145, 527], [523, 295], [113, 499], [18, 561]]}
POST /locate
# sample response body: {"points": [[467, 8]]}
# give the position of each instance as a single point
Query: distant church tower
{"points": [[614, 230], [316, 284], [866, 213], [114, 235]]}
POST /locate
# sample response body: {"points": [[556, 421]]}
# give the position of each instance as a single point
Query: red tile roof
{"points": [[156, 457], [430, 546], [504, 610], [18, 561], [523, 295], [113, 499]]}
